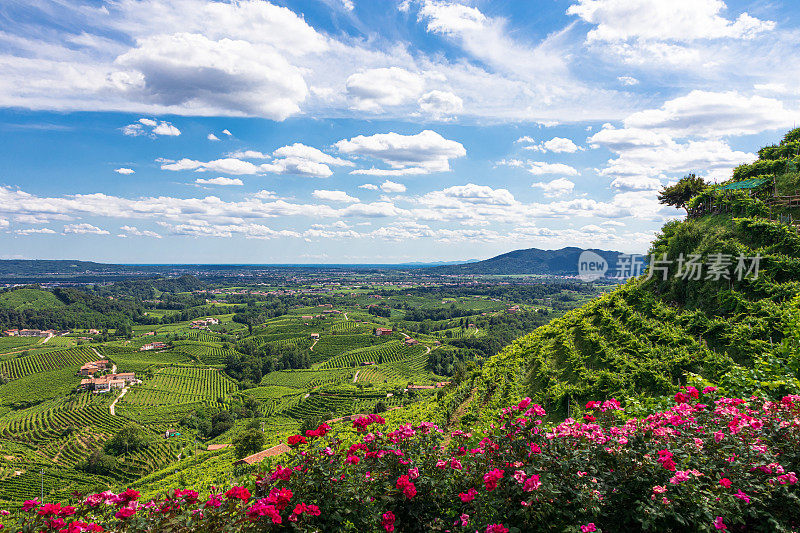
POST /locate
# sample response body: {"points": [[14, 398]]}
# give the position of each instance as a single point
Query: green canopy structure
{"points": [[753, 183]]}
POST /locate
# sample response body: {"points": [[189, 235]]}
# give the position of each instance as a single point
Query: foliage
{"points": [[704, 464], [679, 194], [248, 442]]}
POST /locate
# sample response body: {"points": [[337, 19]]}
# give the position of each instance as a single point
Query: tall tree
{"points": [[678, 195]]}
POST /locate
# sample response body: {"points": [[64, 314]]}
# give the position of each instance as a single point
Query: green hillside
{"points": [[20, 299], [650, 336]]}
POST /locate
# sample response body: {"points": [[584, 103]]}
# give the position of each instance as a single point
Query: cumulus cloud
{"points": [[423, 153], [227, 165], [447, 18], [34, 231], [369, 186], [84, 229], [123, 170], [628, 80], [441, 104], [713, 114], [677, 20], [540, 168], [392, 187], [136, 232], [334, 196], [151, 128], [644, 154], [212, 137], [635, 183], [555, 188], [219, 181], [373, 89], [249, 154], [556, 144], [227, 132]]}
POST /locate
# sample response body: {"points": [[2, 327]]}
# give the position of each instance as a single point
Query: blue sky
{"points": [[347, 131]]}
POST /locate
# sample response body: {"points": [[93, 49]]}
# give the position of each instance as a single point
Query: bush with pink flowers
{"points": [[707, 464]]}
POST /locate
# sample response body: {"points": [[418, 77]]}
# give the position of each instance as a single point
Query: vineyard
{"points": [[32, 364], [179, 384], [387, 352]]}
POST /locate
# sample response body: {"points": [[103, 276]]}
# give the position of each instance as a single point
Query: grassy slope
{"points": [[29, 299], [645, 338]]}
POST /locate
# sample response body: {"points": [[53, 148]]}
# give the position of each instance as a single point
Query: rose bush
{"points": [[707, 464]]}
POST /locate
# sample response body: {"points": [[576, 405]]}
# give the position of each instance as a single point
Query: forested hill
{"points": [[650, 336], [563, 262]]}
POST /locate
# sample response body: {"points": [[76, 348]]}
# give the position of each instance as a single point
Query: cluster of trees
{"points": [[252, 316], [253, 360], [212, 422]]}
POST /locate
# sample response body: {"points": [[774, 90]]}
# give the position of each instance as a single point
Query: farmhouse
{"points": [[153, 346], [31, 333], [203, 323], [11, 332], [108, 382], [411, 341], [382, 331], [90, 368]]}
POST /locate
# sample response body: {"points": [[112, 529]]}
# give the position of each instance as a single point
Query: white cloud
{"points": [[713, 114], [348, 5], [645, 154], [227, 165], [556, 144], [266, 195], [556, 188], [150, 128], [84, 229], [212, 137], [32, 231], [628, 80], [136, 232], [227, 132], [540, 168], [392, 187], [123, 170], [373, 89], [249, 154], [441, 104], [219, 181], [308, 153], [369, 186], [191, 70], [422, 153], [635, 183], [334, 196], [165, 128], [451, 18], [677, 20]]}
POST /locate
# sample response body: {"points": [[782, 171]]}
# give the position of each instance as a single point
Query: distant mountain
{"points": [[563, 262]]}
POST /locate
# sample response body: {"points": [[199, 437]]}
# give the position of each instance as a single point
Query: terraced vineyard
{"points": [[33, 364], [385, 353], [180, 384]]}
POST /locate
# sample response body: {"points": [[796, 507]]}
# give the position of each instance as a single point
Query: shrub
{"points": [[708, 463]]}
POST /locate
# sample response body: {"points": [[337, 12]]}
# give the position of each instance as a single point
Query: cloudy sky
{"points": [[373, 131]]}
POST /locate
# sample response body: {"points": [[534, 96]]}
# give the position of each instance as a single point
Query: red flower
{"points": [[296, 440], [725, 482], [238, 493], [388, 521], [128, 495], [491, 478], [496, 528], [125, 512], [468, 496], [408, 488]]}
